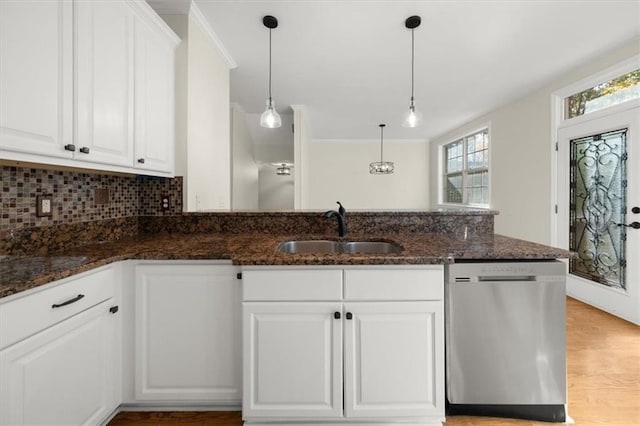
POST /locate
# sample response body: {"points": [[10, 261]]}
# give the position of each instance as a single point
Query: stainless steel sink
{"points": [[373, 247], [327, 246], [309, 246]]}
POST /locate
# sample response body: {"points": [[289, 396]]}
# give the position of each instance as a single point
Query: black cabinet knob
{"points": [[349, 315], [113, 309], [141, 160], [84, 150], [70, 147], [336, 315], [635, 210]]}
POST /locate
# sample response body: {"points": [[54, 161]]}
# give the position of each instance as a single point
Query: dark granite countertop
{"points": [[20, 273]]}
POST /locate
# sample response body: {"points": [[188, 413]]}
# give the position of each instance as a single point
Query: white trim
{"points": [[143, 8], [369, 140], [196, 14], [558, 122]]}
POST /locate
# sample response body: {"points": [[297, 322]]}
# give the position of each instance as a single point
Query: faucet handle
{"points": [[341, 210]]}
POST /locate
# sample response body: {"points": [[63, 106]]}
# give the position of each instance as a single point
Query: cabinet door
{"points": [[154, 112], [394, 359], [65, 375], [187, 327], [292, 360], [104, 72], [36, 71]]}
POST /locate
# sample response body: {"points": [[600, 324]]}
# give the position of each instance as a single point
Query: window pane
{"points": [[453, 154], [477, 188], [477, 150], [609, 93], [453, 189]]}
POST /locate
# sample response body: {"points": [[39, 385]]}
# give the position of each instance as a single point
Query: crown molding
{"points": [[196, 14]]}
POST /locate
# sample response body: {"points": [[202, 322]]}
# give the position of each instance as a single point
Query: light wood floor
{"points": [[603, 367]]}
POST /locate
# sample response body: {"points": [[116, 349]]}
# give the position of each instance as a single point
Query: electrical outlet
{"points": [[44, 205], [165, 202]]}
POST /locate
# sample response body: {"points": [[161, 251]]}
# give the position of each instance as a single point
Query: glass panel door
{"points": [[599, 210]]}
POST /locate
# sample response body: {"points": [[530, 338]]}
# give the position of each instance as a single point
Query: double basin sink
{"points": [[349, 247]]}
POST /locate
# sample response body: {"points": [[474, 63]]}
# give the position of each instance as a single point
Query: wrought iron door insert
{"points": [[598, 204]]}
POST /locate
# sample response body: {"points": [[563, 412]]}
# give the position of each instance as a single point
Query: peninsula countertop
{"points": [[21, 273]]}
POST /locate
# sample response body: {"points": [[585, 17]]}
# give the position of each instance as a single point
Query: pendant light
{"points": [[381, 167], [270, 117], [413, 117]]}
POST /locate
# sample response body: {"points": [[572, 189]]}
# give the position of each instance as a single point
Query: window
{"points": [[612, 92], [466, 170]]}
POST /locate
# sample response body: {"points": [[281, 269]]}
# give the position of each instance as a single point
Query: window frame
{"points": [[442, 165]]}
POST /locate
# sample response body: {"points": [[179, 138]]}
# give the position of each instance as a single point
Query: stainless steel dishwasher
{"points": [[505, 339]]}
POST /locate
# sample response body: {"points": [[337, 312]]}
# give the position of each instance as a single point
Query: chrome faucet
{"points": [[341, 215]]}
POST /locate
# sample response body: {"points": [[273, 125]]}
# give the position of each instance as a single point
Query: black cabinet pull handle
{"points": [[634, 225], [68, 302], [349, 315], [141, 160], [84, 150], [70, 147], [336, 315]]}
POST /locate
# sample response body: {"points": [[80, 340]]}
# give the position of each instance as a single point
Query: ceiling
{"points": [[349, 61]]}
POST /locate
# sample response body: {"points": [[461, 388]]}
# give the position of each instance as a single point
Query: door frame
{"points": [[558, 121]]}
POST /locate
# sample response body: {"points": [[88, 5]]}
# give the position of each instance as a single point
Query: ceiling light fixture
{"points": [[381, 167], [283, 169], [270, 117], [412, 118]]}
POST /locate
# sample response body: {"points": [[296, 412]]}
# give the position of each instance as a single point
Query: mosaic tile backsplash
{"points": [[74, 197]]}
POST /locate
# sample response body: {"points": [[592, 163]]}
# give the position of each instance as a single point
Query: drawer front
{"points": [[394, 284], [24, 317], [300, 285]]}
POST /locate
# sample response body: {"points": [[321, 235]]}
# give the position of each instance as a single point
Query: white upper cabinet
{"points": [[87, 84], [104, 74], [154, 107], [36, 77]]}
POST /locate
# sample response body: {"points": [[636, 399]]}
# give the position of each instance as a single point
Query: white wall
{"points": [[209, 152], [244, 170], [203, 147], [276, 192], [339, 171], [521, 155]]}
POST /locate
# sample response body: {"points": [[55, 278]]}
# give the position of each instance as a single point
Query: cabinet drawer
{"points": [[316, 284], [24, 317], [394, 284]]}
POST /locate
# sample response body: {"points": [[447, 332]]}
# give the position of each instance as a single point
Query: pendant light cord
{"points": [[270, 65], [381, 144], [412, 65]]}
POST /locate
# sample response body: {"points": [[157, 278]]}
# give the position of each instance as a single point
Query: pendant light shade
{"points": [[413, 117], [270, 117], [381, 167]]}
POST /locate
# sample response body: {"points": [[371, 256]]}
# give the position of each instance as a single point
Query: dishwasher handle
{"points": [[505, 278]]}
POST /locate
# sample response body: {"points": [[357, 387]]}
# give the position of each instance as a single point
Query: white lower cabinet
{"points": [[66, 372], [369, 347], [187, 333]]}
